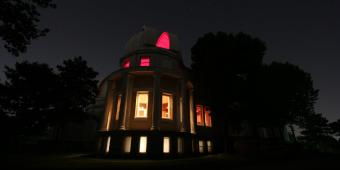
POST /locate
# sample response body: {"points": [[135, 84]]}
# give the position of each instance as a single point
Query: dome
{"points": [[150, 38]]}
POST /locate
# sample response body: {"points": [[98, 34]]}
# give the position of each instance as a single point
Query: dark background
{"points": [[305, 33]]}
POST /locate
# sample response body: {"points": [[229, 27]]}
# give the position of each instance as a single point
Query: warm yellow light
{"points": [[108, 144], [127, 144], [209, 146], [118, 106], [143, 144], [201, 146], [166, 145], [167, 106], [108, 121], [142, 98]]}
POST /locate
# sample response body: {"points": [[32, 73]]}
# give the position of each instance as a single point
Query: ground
{"points": [[220, 161]]}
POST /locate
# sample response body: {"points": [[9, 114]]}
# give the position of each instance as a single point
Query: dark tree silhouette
{"points": [[34, 97], [18, 23], [30, 89], [232, 58], [222, 64], [77, 89], [315, 131], [281, 93], [335, 127]]}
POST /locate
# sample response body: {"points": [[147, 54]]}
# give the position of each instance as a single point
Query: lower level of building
{"points": [[153, 144]]}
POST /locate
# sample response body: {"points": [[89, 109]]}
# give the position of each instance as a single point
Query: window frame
{"points": [[202, 122], [141, 63], [207, 113], [142, 149], [136, 105], [126, 63], [170, 109], [166, 144]]}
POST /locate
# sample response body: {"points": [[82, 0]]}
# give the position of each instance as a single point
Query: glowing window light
{"points": [[144, 61], [108, 144], [126, 63], [199, 115], [166, 145], [201, 146], [143, 144], [163, 41], [209, 146], [167, 106], [142, 104], [127, 144], [207, 117]]}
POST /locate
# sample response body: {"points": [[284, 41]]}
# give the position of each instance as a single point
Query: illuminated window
{"points": [[127, 144], [209, 146], [207, 116], [143, 141], [163, 41], [166, 145], [126, 63], [167, 106], [118, 106], [199, 115], [144, 61], [108, 141], [180, 145], [201, 146], [142, 104]]}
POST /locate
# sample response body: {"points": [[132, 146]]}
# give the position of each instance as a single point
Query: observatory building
{"points": [[147, 107]]}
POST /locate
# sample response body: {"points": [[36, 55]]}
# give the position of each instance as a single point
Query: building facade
{"points": [[147, 107]]}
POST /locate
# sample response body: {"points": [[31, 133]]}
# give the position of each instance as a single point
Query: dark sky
{"points": [[305, 33]]}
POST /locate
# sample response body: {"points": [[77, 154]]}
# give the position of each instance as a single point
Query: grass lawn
{"points": [[221, 161]]}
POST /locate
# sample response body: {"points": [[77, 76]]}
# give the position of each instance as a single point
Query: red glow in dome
{"points": [[163, 41]]}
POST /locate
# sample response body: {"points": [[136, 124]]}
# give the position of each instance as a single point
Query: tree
{"points": [[77, 89], [30, 88], [35, 97], [233, 58], [335, 127], [316, 132], [281, 93], [18, 23]]}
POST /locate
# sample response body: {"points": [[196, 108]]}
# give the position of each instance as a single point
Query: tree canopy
{"points": [[229, 76], [19, 23], [36, 97]]}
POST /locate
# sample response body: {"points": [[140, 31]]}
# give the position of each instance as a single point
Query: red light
{"points": [[163, 41], [145, 61], [126, 63]]}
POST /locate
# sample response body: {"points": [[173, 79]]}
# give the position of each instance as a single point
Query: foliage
{"points": [[77, 89], [36, 97], [232, 58], [335, 127], [31, 87], [18, 23], [280, 93], [314, 127]]}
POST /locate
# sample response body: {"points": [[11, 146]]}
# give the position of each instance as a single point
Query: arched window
{"points": [[163, 41]]}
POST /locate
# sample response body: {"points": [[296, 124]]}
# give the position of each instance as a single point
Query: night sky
{"points": [[305, 33]]}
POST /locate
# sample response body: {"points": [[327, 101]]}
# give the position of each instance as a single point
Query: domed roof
{"points": [[150, 38]]}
